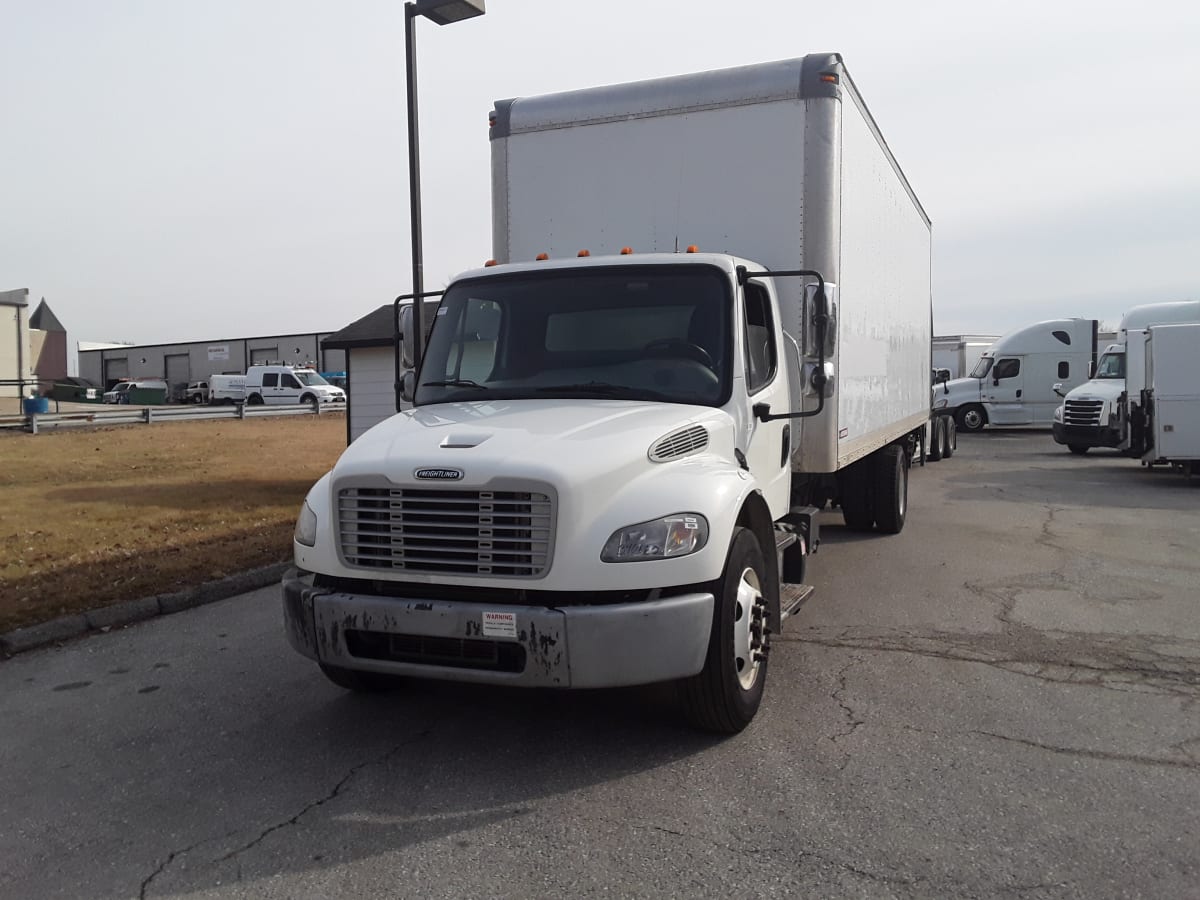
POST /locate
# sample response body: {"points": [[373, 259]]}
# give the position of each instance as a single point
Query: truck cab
{"points": [[1015, 379]]}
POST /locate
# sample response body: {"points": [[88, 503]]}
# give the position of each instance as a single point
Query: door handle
{"points": [[1018, 393]]}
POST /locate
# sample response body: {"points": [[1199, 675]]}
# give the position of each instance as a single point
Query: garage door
{"points": [[179, 373], [263, 356], [115, 370]]}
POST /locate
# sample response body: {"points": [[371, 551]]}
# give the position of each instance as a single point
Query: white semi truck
{"points": [[1170, 400], [1106, 410], [711, 313], [1015, 380]]}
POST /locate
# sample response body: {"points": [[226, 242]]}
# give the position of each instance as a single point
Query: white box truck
{"points": [[1015, 380], [1171, 397], [1106, 410], [611, 471]]}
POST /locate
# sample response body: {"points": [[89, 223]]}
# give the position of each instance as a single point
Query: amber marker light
{"points": [[489, 264], [829, 78], [692, 248], [584, 253], [625, 251], [542, 256]]}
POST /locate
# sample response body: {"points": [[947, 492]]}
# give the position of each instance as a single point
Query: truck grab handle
{"points": [[820, 320]]}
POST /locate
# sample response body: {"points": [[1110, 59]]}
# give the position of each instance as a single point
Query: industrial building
{"points": [[33, 348], [181, 363]]}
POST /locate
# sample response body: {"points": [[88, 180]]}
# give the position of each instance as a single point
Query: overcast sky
{"points": [[177, 170]]}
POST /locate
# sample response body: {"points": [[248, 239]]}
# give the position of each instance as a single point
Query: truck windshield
{"points": [[982, 368], [310, 378], [1111, 365], [656, 333]]}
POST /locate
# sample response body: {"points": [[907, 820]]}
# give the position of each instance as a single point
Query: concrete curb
{"points": [[121, 614]]}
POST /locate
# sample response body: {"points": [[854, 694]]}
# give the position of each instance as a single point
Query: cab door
{"points": [[289, 388], [1003, 392], [768, 450]]}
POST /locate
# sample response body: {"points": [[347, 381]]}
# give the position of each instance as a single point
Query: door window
{"points": [[270, 379], [289, 381], [1006, 368], [759, 338]]}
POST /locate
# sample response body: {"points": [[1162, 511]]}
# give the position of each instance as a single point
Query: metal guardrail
{"points": [[150, 415]]}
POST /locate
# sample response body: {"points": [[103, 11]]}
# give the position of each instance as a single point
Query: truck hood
{"points": [[956, 392], [1097, 389], [538, 439]]}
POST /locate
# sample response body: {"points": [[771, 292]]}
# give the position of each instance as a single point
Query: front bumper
{"points": [[1087, 435], [586, 646]]}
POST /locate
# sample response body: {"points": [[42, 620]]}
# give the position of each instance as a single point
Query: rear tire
{"points": [[891, 489], [971, 418], [937, 439], [727, 693], [855, 489], [1078, 449], [254, 400], [948, 434], [359, 682]]}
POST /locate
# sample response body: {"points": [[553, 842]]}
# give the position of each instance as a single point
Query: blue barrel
{"points": [[33, 405]]}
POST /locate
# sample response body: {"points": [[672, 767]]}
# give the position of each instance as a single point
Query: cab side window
{"points": [[270, 379], [1006, 368], [289, 381], [759, 337]]}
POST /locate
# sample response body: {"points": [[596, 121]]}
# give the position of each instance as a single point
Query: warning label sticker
{"points": [[500, 624]]}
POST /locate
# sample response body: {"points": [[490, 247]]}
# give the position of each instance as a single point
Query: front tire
{"points": [[971, 418], [727, 693], [855, 487]]}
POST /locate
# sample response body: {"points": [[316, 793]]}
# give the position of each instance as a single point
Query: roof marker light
{"points": [[584, 253], [830, 78], [625, 251], [542, 256], [489, 264], [692, 248]]}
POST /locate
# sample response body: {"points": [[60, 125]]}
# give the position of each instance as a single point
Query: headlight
{"points": [[306, 526], [1058, 413], [674, 535], [941, 404]]}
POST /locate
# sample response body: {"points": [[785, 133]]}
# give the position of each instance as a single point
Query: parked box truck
{"points": [[1015, 379], [711, 312], [1106, 410], [1171, 396]]}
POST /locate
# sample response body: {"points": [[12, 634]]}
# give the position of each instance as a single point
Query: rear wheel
{"points": [[359, 682], [891, 489], [937, 439], [855, 488], [254, 400], [1077, 449], [971, 417], [726, 694], [948, 434]]}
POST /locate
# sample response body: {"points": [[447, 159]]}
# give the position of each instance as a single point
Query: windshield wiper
{"points": [[456, 382], [605, 389]]}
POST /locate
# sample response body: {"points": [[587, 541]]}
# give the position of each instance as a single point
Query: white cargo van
{"points": [[1015, 379], [711, 311], [226, 389], [1106, 411], [274, 385]]}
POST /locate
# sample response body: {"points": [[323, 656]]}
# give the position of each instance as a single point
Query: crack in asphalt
{"points": [[1163, 674], [321, 801], [1094, 754]]}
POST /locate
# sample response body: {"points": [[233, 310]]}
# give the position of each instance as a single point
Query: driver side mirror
{"points": [[1092, 369], [408, 386]]}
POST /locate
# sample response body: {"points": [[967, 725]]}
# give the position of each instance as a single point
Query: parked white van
{"points": [[288, 384], [120, 391], [226, 388]]}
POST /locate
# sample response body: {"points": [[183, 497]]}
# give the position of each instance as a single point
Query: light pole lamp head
{"points": [[446, 12]]}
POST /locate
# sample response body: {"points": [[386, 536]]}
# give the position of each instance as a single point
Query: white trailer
{"points": [[1106, 410], [960, 353], [1017, 380], [711, 313], [1171, 398]]}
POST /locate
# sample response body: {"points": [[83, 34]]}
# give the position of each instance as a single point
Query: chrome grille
{"points": [[1082, 412], [497, 533], [681, 443]]}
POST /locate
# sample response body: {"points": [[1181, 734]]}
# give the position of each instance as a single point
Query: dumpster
{"points": [[35, 405], [146, 396]]}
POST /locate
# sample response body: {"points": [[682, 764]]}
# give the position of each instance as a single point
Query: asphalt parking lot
{"points": [[1001, 701]]}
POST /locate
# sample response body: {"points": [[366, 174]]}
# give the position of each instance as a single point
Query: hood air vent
{"points": [[681, 443]]}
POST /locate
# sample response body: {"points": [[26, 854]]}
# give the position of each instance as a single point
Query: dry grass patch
{"points": [[91, 518]]}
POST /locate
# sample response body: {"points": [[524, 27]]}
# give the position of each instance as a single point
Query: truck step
{"points": [[792, 597]]}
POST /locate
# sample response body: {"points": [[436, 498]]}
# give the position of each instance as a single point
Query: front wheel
{"points": [[726, 694], [971, 418], [1078, 449]]}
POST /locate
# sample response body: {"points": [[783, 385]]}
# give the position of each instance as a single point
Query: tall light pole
{"points": [[442, 12]]}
